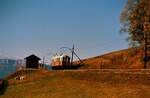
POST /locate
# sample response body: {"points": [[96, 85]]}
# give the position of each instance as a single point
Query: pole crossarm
{"points": [[72, 50]]}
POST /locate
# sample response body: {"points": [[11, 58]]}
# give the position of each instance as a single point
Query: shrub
{"points": [[133, 52], [3, 87]]}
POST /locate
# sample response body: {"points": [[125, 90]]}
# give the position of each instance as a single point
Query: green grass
{"points": [[82, 84]]}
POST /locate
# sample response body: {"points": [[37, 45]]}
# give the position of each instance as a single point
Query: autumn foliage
{"points": [[135, 19]]}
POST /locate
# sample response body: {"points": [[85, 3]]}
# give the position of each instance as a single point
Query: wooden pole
{"points": [[43, 62], [72, 55], [145, 50]]}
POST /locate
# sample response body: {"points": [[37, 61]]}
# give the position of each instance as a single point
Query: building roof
{"points": [[60, 56], [32, 57]]}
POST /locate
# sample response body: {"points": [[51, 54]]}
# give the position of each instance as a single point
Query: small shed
{"points": [[32, 61]]}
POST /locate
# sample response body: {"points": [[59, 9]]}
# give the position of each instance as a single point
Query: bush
{"points": [[3, 87], [133, 52]]}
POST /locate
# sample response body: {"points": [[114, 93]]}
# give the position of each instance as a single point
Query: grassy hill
{"points": [[81, 84], [121, 76], [124, 59]]}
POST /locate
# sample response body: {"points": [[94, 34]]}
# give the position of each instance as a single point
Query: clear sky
{"points": [[41, 27]]}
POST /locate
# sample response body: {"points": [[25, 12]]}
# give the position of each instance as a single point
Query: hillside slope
{"points": [[82, 84], [123, 59]]}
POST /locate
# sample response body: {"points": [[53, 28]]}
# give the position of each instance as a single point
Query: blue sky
{"points": [[41, 27]]}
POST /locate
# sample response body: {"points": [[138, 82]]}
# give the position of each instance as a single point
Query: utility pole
{"points": [[72, 52], [43, 61], [146, 27], [145, 50], [146, 43]]}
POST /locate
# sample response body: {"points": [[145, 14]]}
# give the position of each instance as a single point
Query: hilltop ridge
{"points": [[123, 59]]}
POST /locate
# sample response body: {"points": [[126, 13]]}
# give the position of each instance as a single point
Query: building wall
{"points": [[32, 64], [61, 61]]}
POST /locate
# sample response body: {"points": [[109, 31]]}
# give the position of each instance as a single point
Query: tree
{"points": [[135, 20]]}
